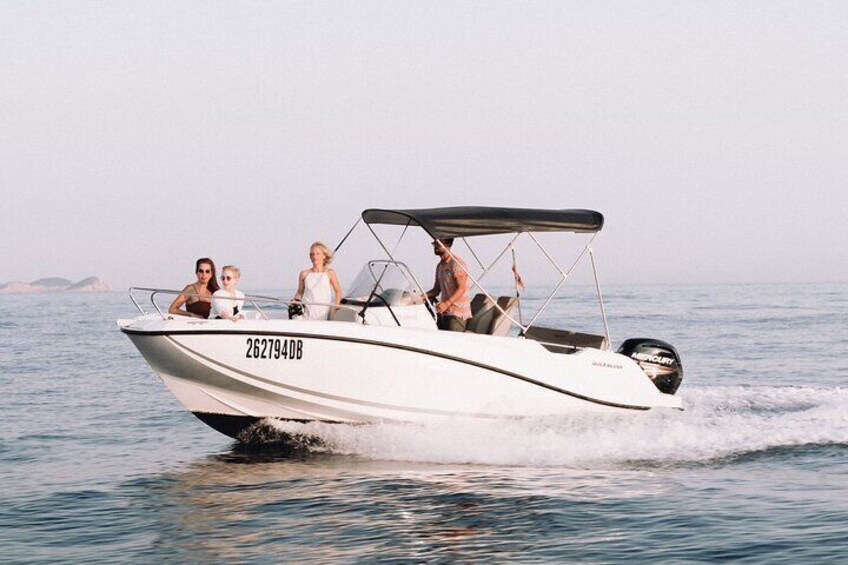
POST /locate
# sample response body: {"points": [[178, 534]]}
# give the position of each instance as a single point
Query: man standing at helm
{"points": [[453, 307]]}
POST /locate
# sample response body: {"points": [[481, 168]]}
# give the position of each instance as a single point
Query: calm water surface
{"points": [[99, 464]]}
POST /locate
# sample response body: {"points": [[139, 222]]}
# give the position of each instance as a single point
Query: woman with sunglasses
{"points": [[228, 303], [197, 296]]}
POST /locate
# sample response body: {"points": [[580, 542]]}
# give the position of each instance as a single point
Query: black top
{"points": [[466, 221]]}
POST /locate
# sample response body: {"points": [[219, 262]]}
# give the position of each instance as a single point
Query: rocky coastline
{"points": [[56, 284]]}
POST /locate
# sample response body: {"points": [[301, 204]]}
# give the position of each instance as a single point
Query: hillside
{"points": [[56, 284]]}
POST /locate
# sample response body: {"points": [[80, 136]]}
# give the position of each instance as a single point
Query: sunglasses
{"points": [[204, 271], [227, 278]]}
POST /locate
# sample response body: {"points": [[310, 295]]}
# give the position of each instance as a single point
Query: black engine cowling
{"points": [[658, 359]]}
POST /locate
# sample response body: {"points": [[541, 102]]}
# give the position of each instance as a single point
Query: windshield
{"points": [[391, 280]]}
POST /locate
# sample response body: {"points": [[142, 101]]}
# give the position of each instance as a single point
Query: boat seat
{"points": [[486, 319], [557, 340], [481, 314]]}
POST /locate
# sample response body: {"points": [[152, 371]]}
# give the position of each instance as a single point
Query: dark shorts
{"points": [[451, 323]]}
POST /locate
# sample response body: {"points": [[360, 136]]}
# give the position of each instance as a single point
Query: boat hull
{"points": [[232, 375]]}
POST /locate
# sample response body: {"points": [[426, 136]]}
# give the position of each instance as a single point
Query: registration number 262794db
{"points": [[273, 348]]}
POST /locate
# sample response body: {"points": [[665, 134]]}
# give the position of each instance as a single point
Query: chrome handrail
{"points": [[250, 298]]}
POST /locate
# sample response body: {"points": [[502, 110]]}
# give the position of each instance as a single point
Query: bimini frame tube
{"points": [[483, 290], [471, 249], [414, 278], [498, 258], [565, 274], [391, 257], [486, 270], [600, 296], [347, 235]]}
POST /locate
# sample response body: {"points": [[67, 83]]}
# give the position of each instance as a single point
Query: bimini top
{"points": [[466, 221]]}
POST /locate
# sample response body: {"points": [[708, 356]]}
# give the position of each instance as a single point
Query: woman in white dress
{"points": [[318, 284], [228, 302]]}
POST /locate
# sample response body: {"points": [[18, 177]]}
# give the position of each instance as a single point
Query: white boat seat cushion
{"points": [[486, 319], [481, 315], [500, 323], [554, 339]]}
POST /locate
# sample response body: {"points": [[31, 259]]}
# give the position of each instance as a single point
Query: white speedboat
{"points": [[380, 357]]}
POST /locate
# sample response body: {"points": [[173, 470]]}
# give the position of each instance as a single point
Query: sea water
{"points": [[100, 464]]}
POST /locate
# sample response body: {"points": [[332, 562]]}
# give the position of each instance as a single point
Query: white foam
{"points": [[718, 422]]}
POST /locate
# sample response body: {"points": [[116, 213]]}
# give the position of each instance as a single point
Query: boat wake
{"points": [[718, 423]]}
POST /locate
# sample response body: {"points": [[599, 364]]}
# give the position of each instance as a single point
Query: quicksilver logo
{"points": [[605, 364], [653, 358]]}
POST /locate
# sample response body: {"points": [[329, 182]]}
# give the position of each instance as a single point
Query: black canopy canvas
{"points": [[467, 221]]}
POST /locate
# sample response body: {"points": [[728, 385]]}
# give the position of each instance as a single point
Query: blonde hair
{"points": [[232, 269], [328, 255]]}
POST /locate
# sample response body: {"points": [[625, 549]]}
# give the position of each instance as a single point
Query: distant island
{"points": [[56, 284]]}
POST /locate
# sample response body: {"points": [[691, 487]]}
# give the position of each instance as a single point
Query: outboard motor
{"points": [[658, 359]]}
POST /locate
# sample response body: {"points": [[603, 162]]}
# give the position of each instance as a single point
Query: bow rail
{"points": [[252, 299]]}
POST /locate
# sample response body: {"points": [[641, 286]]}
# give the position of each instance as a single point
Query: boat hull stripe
{"points": [[328, 396], [392, 346]]}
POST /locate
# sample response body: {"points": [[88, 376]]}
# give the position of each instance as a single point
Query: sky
{"points": [[136, 137]]}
